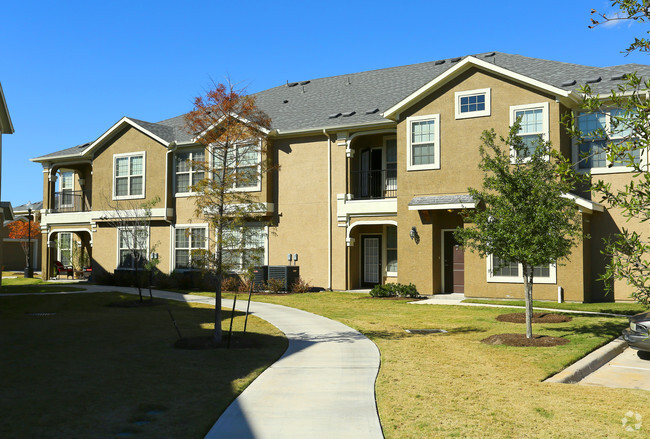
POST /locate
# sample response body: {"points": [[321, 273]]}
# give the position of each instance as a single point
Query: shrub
{"points": [[300, 286], [275, 285], [393, 290], [231, 283]]}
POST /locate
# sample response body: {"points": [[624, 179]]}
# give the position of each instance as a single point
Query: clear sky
{"points": [[71, 69]]}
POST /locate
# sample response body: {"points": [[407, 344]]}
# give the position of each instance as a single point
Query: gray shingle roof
{"points": [[359, 98], [68, 152]]}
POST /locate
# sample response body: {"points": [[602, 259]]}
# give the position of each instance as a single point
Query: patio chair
{"points": [[63, 269]]}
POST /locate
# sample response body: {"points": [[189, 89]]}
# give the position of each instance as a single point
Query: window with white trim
{"points": [[244, 247], [423, 142], [472, 103], [599, 129], [391, 250], [188, 239], [390, 146], [64, 244], [534, 125], [511, 272], [132, 247], [128, 175], [66, 188], [242, 166], [188, 175]]}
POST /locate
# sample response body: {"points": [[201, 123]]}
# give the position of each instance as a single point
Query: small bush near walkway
{"points": [[394, 290]]}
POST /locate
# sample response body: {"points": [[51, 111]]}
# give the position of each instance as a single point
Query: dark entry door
{"points": [[454, 264], [371, 260]]}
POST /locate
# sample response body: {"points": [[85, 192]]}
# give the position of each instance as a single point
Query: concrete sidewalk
{"points": [[323, 385]]}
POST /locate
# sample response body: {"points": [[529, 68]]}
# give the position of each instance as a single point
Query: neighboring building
{"points": [[6, 127], [14, 255], [373, 171]]}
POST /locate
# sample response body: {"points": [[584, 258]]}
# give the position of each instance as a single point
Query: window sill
{"points": [[128, 197], [603, 171], [423, 167], [506, 280]]}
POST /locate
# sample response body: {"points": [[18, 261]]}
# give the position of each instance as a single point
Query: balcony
{"points": [[374, 184], [70, 201]]}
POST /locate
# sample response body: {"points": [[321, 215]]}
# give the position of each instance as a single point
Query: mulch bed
{"points": [[521, 340], [538, 317]]}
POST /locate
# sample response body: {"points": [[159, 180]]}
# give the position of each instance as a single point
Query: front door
{"points": [[371, 260], [454, 264]]}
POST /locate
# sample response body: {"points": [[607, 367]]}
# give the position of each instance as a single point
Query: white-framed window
{"points": [[66, 188], [472, 103], [129, 175], [390, 148], [598, 129], [423, 142], [510, 272], [534, 124], [187, 239], [64, 244], [244, 247], [242, 166], [391, 250], [186, 174], [132, 247]]}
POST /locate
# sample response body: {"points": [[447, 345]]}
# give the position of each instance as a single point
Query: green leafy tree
{"points": [[524, 214], [627, 143], [232, 130]]}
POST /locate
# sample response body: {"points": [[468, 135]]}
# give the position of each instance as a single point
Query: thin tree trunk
{"points": [[137, 283], [528, 287]]}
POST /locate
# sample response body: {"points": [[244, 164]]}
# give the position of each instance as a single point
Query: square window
{"points": [[472, 103]]}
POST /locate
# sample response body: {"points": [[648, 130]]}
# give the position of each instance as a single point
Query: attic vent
{"points": [[619, 77], [569, 83], [440, 61], [455, 59], [305, 82], [334, 115], [349, 113], [593, 80], [291, 84], [487, 55], [372, 111]]}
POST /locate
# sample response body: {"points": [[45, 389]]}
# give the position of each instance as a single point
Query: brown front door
{"points": [[454, 264]]}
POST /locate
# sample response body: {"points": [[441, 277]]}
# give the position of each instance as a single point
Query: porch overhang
{"points": [[442, 202]]}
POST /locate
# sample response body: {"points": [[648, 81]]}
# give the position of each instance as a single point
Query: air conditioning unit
{"points": [[288, 274], [260, 276]]}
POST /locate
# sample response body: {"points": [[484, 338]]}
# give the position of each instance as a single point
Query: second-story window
{"points": [[533, 126], [129, 172], [423, 145], [188, 175], [472, 103], [241, 166], [66, 187]]}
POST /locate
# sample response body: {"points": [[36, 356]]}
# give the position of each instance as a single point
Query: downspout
{"points": [[173, 146], [329, 210]]}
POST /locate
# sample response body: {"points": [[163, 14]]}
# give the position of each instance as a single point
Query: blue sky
{"points": [[72, 69]]}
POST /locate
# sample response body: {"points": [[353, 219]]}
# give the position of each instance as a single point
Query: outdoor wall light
{"points": [[414, 234]]}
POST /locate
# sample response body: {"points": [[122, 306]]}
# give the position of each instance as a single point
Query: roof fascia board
{"points": [[376, 124], [6, 126], [589, 206], [461, 67], [111, 131], [236, 116]]}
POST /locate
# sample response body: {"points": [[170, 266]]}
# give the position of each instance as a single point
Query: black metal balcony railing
{"points": [[380, 183], [70, 201]]}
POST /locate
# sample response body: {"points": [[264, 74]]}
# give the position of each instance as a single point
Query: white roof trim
{"points": [[459, 68], [6, 127], [115, 127], [443, 206], [585, 205], [236, 116]]}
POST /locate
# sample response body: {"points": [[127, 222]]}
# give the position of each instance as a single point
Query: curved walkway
{"points": [[323, 385]]}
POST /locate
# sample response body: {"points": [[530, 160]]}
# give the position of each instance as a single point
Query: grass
{"points": [[33, 285], [452, 385], [91, 370], [608, 307]]}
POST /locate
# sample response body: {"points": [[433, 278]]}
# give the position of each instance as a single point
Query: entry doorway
{"points": [[453, 264], [371, 260]]}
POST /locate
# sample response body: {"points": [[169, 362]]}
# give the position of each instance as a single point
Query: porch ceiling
{"points": [[442, 202]]}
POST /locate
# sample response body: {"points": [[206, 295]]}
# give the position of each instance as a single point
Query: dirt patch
{"points": [[521, 340], [538, 317]]}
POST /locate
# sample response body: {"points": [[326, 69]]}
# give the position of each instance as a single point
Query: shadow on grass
{"points": [[607, 328]]}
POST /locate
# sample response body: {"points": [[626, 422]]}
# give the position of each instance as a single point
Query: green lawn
{"points": [[608, 307], [452, 385], [33, 285], [90, 370]]}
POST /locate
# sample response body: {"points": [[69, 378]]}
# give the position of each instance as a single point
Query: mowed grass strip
{"points": [[611, 308], [33, 285], [452, 385], [72, 366]]}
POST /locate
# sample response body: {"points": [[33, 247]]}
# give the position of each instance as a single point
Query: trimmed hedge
{"points": [[394, 290]]}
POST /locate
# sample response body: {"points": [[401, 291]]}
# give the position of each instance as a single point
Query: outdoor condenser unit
{"points": [[288, 274], [260, 276]]}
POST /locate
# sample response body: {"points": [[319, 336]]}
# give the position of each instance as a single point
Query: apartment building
{"points": [[372, 175]]}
